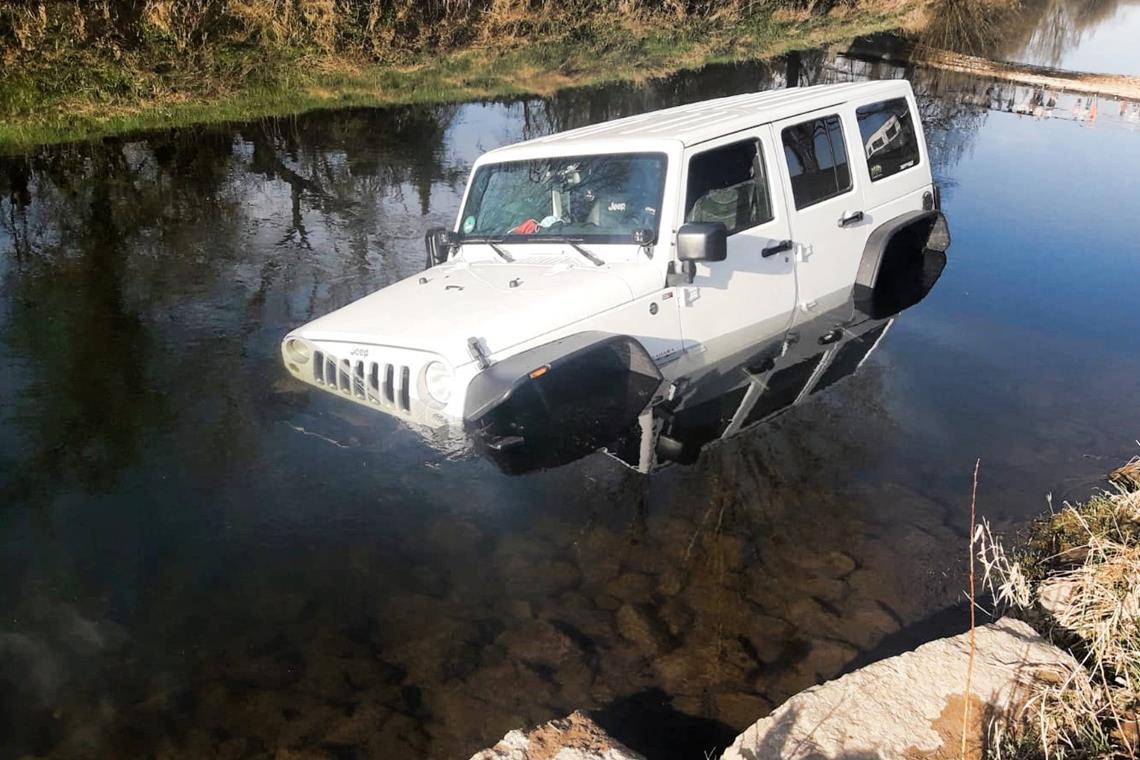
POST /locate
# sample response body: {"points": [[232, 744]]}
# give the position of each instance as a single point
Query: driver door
{"points": [[747, 300]]}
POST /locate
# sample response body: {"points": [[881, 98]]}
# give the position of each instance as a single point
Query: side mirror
{"points": [[702, 241], [438, 242]]}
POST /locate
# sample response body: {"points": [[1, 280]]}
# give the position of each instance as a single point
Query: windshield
{"points": [[600, 198]]}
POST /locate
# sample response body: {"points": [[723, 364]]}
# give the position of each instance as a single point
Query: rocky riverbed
{"points": [[729, 587]]}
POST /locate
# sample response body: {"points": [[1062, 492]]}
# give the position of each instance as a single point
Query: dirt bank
{"points": [[76, 70]]}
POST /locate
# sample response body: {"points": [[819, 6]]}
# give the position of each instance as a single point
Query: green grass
{"points": [[83, 95]]}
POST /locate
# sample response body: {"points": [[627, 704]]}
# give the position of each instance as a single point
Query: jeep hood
{"points": [[500, 304]]}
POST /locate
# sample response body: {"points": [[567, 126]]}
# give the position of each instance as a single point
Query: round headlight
{"points": [[298, 350], [437, 382]]}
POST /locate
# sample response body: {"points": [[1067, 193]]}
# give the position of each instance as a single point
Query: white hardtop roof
{"points": [[697, 122]]}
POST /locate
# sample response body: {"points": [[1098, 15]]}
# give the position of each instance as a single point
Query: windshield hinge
{"points": [[478, 353]]}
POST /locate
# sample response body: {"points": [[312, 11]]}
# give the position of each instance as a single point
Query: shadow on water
{"points": [[199, 558]]}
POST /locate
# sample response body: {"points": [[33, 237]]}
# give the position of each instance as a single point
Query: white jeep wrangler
{"points": [[601, 283]]}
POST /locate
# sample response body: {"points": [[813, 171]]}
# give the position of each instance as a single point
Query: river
{"points": [[201, 558]]}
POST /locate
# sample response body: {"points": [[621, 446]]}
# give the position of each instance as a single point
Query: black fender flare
{"points": [[925, 234], [559, 401]]}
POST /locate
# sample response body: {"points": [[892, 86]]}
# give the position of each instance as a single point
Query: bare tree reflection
{"points": [[1041, 30], [126, 257]]}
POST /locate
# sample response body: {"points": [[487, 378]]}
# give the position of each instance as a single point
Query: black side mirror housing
{"points": [[438, 242], [702, 241]]}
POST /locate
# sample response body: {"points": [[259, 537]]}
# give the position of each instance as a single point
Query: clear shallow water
{"points": [[200, 558]]}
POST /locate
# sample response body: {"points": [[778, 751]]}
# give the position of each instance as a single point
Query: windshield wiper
{"points": [[494, 244], [592, 258], [502, 253]]}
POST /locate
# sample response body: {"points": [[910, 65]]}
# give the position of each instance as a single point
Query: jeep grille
{"points": [[379, 383]]}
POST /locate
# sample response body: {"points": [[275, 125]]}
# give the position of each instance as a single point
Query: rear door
{"points": [[747, 299], [829, 221]]}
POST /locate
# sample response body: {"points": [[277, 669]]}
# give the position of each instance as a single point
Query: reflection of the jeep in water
{"points": [[742, 390], [603, 283]]}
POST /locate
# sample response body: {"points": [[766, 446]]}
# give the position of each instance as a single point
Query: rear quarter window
{"points": [[890, 144]]}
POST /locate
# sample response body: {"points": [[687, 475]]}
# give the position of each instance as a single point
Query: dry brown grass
{"points": [[76, 68], [379, 29], [1078, 580]]}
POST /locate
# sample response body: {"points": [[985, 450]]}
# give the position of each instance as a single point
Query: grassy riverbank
{"points": [[75, 70], [1077, 580]]}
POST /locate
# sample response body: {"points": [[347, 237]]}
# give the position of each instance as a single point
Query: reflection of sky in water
{"points": [[1022, 352], [1044, 228], [1029, 338], [480, 127]]}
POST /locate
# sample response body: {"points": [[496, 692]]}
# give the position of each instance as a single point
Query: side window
{"points": [[817, 160], [729, 185], [889, 141]]}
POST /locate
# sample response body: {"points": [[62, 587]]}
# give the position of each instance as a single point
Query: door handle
{"points": [[851, 219], [780, 247]]}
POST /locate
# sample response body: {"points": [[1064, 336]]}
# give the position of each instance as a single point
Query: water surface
{"points": [[200, 557]]}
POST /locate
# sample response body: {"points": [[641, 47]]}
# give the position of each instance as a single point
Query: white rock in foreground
{"points": [[910, 705], [575, 737]]}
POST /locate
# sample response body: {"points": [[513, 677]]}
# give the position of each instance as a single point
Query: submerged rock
{"points": [[739, 708], [630, 586], [574, 737], [911, 705], [539, 642], [641, 629]]}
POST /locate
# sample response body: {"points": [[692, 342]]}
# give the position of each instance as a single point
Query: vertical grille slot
{"points": [[319, 367], [343, 381], [330, 372], [372, 390], [405, 390], [358, 380], [389, 383]]}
